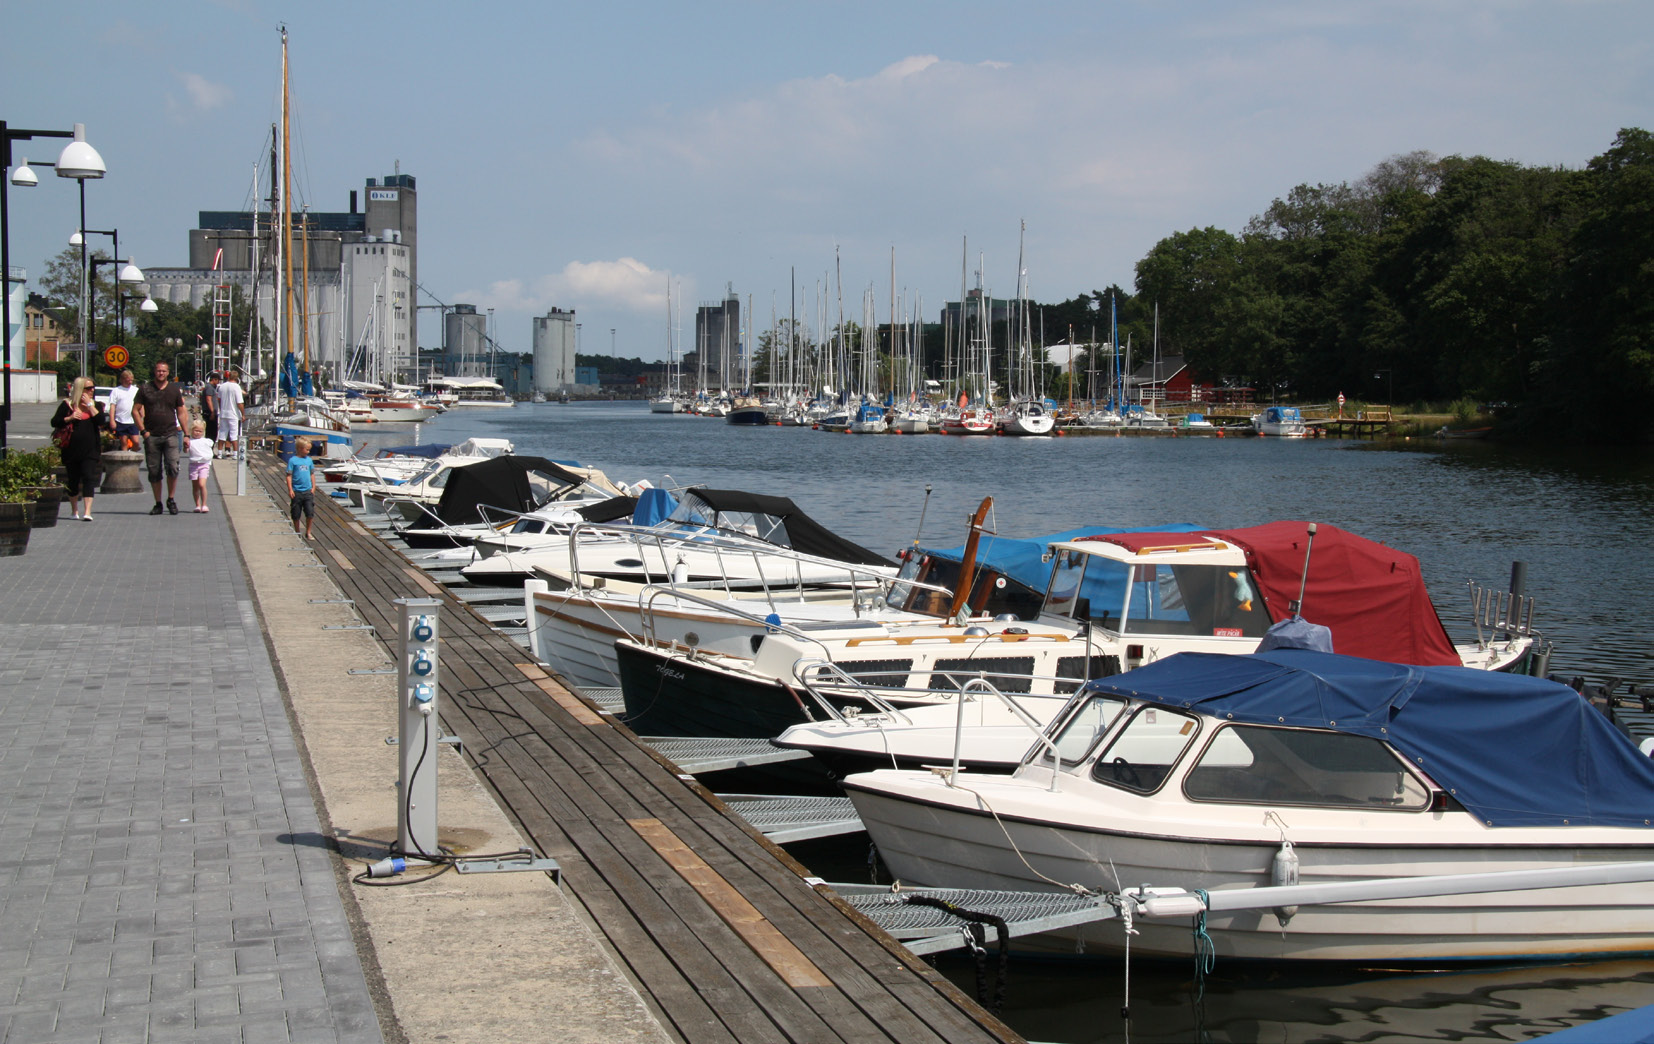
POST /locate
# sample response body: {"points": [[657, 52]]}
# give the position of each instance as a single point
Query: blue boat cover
{"points": [[1514, 750], [430, 450], [654, 506], [1021, 559]]}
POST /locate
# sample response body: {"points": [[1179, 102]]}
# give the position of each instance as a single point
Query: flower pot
{"points": [[14, 528], [47, 501]]}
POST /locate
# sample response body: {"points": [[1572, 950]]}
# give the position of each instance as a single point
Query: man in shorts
{"points": [[301, 486], [160, 412], [231, 413], [120, 411]]}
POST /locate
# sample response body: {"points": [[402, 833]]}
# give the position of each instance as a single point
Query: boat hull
{"points": [[933, 844]]}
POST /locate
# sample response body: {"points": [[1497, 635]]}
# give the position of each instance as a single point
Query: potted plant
{"points": [[16, 506]]}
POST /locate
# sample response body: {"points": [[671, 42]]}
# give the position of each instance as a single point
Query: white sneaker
{"points": [[86, 518]]}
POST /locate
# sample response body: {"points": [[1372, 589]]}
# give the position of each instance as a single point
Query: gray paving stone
{"points": [[162, 882]]}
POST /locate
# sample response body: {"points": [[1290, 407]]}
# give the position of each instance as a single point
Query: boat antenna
{"points": [[922, 509], [1296, 608]]}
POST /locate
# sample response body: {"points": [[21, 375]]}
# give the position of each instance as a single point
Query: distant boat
{"points": [[1283, 421]]}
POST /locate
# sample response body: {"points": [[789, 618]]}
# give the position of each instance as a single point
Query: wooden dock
{"points": [[727, 936]]}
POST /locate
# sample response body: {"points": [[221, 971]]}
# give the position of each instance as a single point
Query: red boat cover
{"points": [[1370, 595]]}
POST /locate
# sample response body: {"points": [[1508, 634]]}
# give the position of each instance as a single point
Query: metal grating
{"points": [[696, 754], [611, 700], [783, 819], [927, 929]]}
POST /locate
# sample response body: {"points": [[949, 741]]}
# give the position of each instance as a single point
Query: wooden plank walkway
{"points": [[720, 928]]}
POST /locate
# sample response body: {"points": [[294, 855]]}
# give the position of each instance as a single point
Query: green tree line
{"points": [[1529, 287]]}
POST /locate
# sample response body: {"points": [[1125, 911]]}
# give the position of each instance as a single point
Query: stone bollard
{"points": [[122, 472]]}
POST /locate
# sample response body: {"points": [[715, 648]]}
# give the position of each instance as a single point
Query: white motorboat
{"points": [[425, 485], [1281, 421], [574, 627], [1220, 773], [715, 537], [1116, 600]]}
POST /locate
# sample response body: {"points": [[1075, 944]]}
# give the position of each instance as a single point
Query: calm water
{"points": [[1581, 520]]}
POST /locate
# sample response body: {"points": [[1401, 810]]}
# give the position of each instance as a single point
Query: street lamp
{"points": [[81, 161], [131, 275]]}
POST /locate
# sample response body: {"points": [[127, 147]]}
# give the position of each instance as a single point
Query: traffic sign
{"points": [[116, 357]]}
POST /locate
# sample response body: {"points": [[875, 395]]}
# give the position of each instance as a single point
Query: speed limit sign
{"points": [[116, 357]]}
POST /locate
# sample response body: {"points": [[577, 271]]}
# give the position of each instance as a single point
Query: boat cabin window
{"points": [[1143, 753], [1205, 600], [1083, 726], [992, 593], [1256, 764], [529, 525]]}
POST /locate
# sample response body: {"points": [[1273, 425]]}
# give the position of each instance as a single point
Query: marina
{"points": [[1557, 579], [550, 778]]}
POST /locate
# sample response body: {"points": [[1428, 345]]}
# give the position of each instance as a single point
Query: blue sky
{"points": [[580, 156]]}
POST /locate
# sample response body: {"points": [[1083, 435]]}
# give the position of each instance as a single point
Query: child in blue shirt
{"points": [[301, 486]]}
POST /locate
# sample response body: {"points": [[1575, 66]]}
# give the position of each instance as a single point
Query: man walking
{"points": [[231, 413], [209, 410], [163, 418], [121, 421]]}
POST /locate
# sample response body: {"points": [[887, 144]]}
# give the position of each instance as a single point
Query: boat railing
{"points": [[825, 680], [722, 547], [772, 623], [441, 525]]}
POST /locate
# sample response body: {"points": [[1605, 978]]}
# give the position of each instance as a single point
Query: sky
{"points": [[588, 156]]}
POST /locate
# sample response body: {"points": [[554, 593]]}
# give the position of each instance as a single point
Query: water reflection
{"points": [[1079, 1001]]}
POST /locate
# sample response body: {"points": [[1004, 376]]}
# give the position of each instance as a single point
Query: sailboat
{"points": [[1025, 414], [305, 414], [671, 399]]}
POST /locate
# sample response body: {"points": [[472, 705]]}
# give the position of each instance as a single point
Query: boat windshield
{"points": [[693, 512], [1142, 754], [1209, 600], [992, 592], [1083, 726], [1255, 764]]}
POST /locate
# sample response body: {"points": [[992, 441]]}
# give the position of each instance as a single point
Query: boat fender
{"points": [[1283, 870], [680, 572]]}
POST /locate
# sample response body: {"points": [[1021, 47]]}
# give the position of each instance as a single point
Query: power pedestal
{"points": [[418, 676]]}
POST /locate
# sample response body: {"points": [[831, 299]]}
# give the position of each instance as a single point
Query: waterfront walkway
{"points": [[161, 866]]}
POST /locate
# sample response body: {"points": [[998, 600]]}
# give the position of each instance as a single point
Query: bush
{"points": [[20, 472], [1465, 410]]}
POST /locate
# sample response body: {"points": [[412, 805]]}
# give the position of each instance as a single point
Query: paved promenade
{"points": [[162, 872]]}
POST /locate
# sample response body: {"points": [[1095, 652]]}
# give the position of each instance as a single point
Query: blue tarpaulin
{"points": [[1021, 559], [653, 507], [1514, 750]]}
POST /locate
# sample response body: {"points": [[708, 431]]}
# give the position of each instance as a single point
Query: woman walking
{"points": [[82, 415]]}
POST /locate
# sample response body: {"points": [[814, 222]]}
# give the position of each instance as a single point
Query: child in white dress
{"points": [[200, 448]]}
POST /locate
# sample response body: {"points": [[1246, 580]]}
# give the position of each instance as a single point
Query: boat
{"points": [[1195, 424], [968, 420], [869, 419], [574, 628], [425, 485], [1223, 773], [486, 496], [748, 411], [1283, 421], [713, 536], [468, 391], [1115, 600], [1026, 417]]}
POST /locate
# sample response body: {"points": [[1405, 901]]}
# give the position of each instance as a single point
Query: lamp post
{"points": [[82, 161], [130, 274]]}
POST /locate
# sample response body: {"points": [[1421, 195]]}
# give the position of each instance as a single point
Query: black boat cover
{"points": [[787, 524], [511, 482]]}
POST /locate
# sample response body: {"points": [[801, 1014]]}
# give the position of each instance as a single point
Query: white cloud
{"points": [[626, 284], [204, 94]]}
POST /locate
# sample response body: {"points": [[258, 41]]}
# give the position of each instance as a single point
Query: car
{"points": [[101, 393]]}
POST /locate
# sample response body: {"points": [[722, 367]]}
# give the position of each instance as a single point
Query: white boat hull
{"points": [[966, 847]]}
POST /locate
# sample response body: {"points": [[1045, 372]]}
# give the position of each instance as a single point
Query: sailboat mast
{"points": [[286, 209]]}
